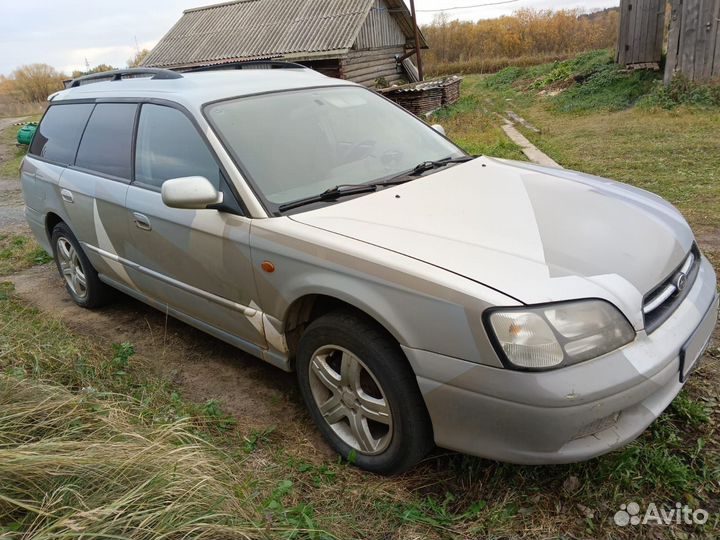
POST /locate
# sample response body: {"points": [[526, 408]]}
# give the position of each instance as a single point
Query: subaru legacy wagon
{"points": [[423, 296]]}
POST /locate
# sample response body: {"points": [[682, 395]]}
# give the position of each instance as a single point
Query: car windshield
{"points": [[297, 144]]}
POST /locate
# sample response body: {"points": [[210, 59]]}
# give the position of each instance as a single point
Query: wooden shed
{"points": [[694, 41], [642, 30], [365, 41]]}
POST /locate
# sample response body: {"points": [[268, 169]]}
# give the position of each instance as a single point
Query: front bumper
{"points": [[571, 414]]}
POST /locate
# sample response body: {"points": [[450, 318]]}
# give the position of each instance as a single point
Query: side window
{"points": [[59, 132], [169, 146], [106, 146]]}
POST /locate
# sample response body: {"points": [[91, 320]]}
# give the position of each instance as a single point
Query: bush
{"points": [[683, 91]]}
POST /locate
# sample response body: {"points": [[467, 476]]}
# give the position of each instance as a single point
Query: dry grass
{"points": [[485, 65], [74, 465], [18, 252]]}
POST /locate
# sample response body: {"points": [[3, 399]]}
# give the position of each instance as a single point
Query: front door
{"points": [[196, 262]]}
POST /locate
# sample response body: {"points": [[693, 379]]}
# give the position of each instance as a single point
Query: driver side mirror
{"points": [[190, 193], [439, 129]]}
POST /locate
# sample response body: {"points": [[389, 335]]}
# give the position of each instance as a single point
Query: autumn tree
{"points": [[35, 82], [138, 58], [97, 69], [526, 33]]}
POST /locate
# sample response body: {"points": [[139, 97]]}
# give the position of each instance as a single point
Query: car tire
{"points": [[362, 393], [81, 279]]}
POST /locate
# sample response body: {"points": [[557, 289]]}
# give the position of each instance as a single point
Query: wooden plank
{"points": [[369, 80], [701, 42], [691, 17], [656, 27], [671, 63], [648, 39], [641, 55], [380, 28], [385, 61], [660, 32], [622, 47], [369, 53], [716, 59], [379, 71], [637, 31], [711, 22]]}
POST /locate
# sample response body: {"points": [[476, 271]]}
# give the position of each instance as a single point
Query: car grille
{"points": [[664, 299]]}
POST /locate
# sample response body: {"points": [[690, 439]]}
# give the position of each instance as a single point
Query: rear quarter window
{"points": [[60, 131]]}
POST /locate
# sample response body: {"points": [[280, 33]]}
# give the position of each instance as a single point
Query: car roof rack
{"points": [[119, 74], [250, 64]]}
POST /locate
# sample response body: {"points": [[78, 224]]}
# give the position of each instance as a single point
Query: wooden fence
{"points": [[642, 29], [694, 41]]}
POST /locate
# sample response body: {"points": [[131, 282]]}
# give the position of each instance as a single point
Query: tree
{"points": [[138, 58], [35, 82], [97, 69]]}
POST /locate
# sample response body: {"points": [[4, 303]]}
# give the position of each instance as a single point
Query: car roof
{"points": [[195, 89]]}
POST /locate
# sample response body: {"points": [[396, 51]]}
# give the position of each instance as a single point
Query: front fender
{"points": [[422, 306]]}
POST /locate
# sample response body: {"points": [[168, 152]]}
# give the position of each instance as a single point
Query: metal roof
{"points": [[263, 29]]}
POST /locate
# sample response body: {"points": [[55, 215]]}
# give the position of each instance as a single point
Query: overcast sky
{"points": [[64, 33]]}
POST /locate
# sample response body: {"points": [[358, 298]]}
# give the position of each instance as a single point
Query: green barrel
{"points": [[26, 133]]}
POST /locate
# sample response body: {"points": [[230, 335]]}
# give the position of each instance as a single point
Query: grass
{"points": [[19, 252], [8, 138], [95, 443], [492, 65]]}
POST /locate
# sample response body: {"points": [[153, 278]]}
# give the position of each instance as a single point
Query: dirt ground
{"points": [[11, 203], [258, 395]]}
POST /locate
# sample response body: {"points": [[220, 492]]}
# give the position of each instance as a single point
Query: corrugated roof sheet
{"points": [[256, 29]]}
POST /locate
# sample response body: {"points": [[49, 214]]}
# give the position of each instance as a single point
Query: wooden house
{"points": [[366, 41]]}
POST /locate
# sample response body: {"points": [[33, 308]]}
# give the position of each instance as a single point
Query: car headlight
{"points": [[556, 335]]}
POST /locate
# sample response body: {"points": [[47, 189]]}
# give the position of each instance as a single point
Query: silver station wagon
{"points": [[424, 297]]}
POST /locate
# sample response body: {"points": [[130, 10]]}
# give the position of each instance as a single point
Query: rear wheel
{"points": [[362, 394], [81, 279]]}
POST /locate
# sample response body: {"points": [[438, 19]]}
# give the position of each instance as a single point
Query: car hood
{"points": [[536, 234]]}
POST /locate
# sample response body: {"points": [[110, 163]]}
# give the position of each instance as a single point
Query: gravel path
{"points": [[12, 218]]}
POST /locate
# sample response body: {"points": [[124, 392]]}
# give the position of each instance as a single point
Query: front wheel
{"points": [[362, 394]]}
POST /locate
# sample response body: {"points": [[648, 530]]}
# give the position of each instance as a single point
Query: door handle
{"points": [[67, 196], [142, 222]]}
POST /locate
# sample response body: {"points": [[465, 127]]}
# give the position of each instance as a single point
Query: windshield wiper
{"points": [[331, 194], [426, 166], [421, 168], [348, 190]]}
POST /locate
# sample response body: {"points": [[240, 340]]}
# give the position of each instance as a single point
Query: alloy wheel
{"points": [[351, 400], [71, 267]]}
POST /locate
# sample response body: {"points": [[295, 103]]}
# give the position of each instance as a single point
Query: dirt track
{"points": [[257, 394], [11, 203]]}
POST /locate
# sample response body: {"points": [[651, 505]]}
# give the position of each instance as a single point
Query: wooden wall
{"points": [[365, 67], [380, 29], [642, 29], [694, 42]]}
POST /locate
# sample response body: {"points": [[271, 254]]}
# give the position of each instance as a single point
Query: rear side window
{"points": [[59, 132], [106, 146], [169, 146]]}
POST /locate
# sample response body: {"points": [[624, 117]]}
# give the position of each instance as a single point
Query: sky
{"points": [[66, 33]]}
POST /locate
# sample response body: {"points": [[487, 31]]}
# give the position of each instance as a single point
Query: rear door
{"points": [[94, 188], [194, 261]]}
